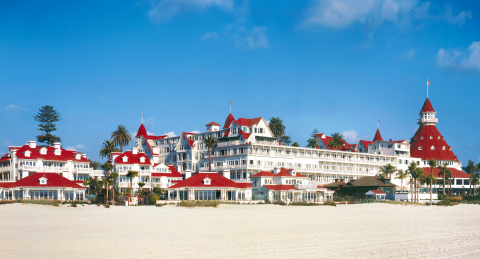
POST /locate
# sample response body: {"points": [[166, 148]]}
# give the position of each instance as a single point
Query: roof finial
{"points": [[230, 103], [428, 82], [142, 117]]}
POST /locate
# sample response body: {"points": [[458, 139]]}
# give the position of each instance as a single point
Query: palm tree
{"points": [[108, 148], [411, 170], [210, 142], [470, 169], [94, 164], [387, 170], [107, 167], [277, 127], [312, 142], [113, 176], [443, 172], [337, 141], [475, 182], [401, 175], [430, 179], [140, 185], [295, 144], [131, 174], [417, 174], [432, 163], [121, 137], [449, 178]]}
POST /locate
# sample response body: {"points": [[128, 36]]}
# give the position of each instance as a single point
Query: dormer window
{"points": [[431, 137], [432, 148], [43, 151], [78, 156], [142, 159], [27, 153], [58, 152], [125, 159], [43, 180], [438, 137], [421, 137], [207, 181], [294, 173], [443, 148], [420, 148]]}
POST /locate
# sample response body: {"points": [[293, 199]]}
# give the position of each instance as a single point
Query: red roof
{"points": [[422, 148], [365, 143], [190, 142], [173, 173], [280, 187], [227, 133], [263, 174], [283, 173], [141, 131], [248, 122], [427, 106], [245, 135], [65, 155], [378, 136], [53, 180], [217, 180], [325, 139], [455, 173], [378, 191], [132, 158], [213, 124], [228, 121]]}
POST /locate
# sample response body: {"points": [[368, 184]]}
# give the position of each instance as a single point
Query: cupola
{"points": [[427, 114]]}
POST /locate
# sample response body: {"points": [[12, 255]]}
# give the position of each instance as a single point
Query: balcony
{"points": [[54, 169], [84, 170], [144, 172], [29, 168], [5, 169]]}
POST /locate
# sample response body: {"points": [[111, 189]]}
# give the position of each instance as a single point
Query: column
{"points": [[178, 196], [168, 194]]}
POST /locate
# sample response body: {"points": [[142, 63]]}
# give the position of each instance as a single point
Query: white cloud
{"points": [[70, 148], [7, 143], [150, 133], [371, 14], [149, 123], [351, 136], [209, 35], [164, 10], [15, 107], [244, 38], [81, 147], [460, 59], [408, 54], [459, 19], [170, 134]]}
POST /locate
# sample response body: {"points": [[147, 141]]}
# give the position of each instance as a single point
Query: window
{"points": [[459, 181], [432, 147], [431, 137], [398, 146]]}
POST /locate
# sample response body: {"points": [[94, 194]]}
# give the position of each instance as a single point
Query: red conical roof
{"points": [[427, 107], [228, 121], [377, 136], [141, 131], [428, 143]]}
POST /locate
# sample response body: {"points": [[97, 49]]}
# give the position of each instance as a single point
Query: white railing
{"points": [[54, 169], [30, 167], [228, 143], [83, 170], [305, 186], [143, 172], [5, 169], [273, 143]]}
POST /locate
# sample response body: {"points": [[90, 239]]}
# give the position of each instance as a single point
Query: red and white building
{"points": [[22, 161], [287, 185], [210, 186], [42, 186]]}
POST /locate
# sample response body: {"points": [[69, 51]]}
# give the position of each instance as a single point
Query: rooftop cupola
{"points": [[378, 136], [427, 114]]}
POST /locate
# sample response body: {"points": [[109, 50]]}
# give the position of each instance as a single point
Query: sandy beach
{"points": [[240, 231]]}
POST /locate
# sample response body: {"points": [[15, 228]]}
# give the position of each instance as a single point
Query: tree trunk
{"points": [[108, 174], [209, 159], [431, 193], [121, 149], [415, 190], [113, 193], [444, 185], [131, 186]]}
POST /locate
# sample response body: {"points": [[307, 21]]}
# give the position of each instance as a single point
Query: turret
{"points": [[427, 114]]}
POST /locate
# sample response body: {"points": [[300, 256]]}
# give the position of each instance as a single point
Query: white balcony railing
{"points": [[30, 167], [54, 169], [84, 170]]}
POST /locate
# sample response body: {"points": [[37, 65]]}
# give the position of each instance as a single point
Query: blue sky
{"points": [[333, 65]]}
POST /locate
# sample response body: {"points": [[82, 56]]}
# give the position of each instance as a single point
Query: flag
{"points": [[379, 121], [428, 82], [230, 103]]}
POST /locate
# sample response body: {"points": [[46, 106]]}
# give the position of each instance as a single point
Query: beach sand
{"points": [[240, 231]]}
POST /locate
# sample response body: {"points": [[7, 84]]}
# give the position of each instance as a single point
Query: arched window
{"points": [[432, 148], [420, 148]]}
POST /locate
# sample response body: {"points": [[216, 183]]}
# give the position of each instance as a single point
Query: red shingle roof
{"points": [[455, 173], [53, 180], [378, 191], [65, 155], [141, 131], [228, 121], [378, 136], [263, 174], [173, 173], [427, 106], [213, 123], [132, 158], [248, 122], [422, 148], [217, 180]]}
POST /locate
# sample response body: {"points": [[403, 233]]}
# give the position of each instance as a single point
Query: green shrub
{"points": [[303, 204], [191, 204], [330, 203], [40, 202], [73, 205], [267, 201], [107, 206]]}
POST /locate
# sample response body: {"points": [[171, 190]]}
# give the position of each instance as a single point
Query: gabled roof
{"points": [[365, 143], [213, 124], [228, 121], [378, 136], [248, 122], [377, 191], [280, 187], [53, 180], [141, 131], [326, 139], [436, 171], [65, 155], [190, 141], [245, 135], [132, 158], [368, 181], [172, 174], [263, 174], [217, 180], [421, 145], [427, 106]]}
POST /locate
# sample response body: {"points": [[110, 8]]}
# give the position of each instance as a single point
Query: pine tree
{"points": [[47, 117]]}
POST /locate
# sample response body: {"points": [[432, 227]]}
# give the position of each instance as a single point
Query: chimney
{"points": [[188, 174], [56, 145], [84, 155], [276, 170], [134, 150], [32, 144]]}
